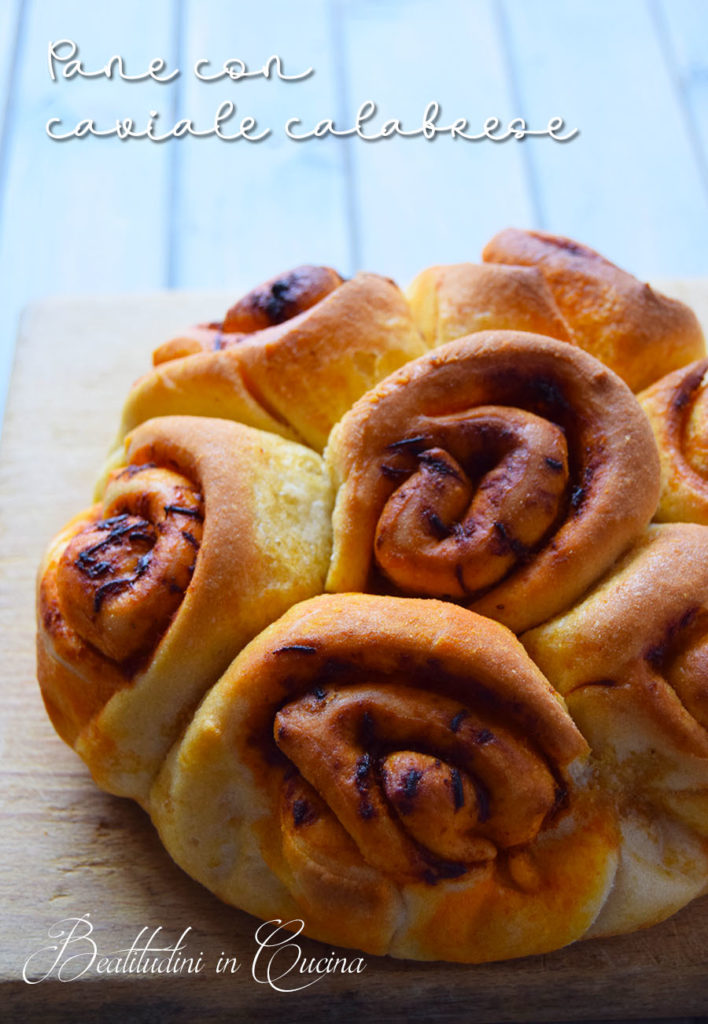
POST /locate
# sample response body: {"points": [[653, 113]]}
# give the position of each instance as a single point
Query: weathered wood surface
{"points": [[101, 215], [69, 849]]}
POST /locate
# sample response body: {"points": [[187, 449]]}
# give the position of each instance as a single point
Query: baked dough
{"points": [[387, 763], [677, 407], [546, 284], [322, 349], [503, 470], [399, 775], [632, 662], [208, 533], [635, 330], [449, 302]]}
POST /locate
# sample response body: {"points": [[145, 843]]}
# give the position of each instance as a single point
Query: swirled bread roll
{"points": [[208, 533], [290, 357], [399, 775], [503, 470], [449, 302], [677, 407], [636, 331], [632, 662], [273, 302], [546, 284]]}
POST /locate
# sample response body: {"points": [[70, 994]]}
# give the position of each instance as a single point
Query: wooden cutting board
{"points": [[69, 850]]}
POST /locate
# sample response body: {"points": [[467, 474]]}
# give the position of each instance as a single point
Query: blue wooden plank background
{"points": [[102, 215]]}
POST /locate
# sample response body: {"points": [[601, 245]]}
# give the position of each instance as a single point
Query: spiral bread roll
{"points": [[635, 330], [632, 662], [449, 302], [547, 284], [290, 357], [504, 470], [207, 534], [399, 775], [273, 302], [677, 407], [386, 762]]}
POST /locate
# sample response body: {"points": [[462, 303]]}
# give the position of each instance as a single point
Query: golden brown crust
{"points": [[644, 619], [409, 778], [677, 407], [397, 771], [276, 301], [65, 662], [636, 331], [281, 299], [209, 533], [296, 377], [199, 338], [121, 578], [632, 660], [450, 302], [505, 470]]}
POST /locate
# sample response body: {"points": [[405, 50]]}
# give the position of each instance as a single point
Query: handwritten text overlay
{"points": [[229, 125]]}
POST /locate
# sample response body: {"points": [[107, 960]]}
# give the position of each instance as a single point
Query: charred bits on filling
{"points": [[292, 293], [407, 443], [367, 728], [296, 648], [560, 799], [483, 808], [130, 471], [443, 869], [407, 790], [303, 813], [410, 782], [548, 393], [506, 542], [118, 585], [688, 387], [435, 464], [394, 472], [362, 773], [682, 398], [458, 793], [281, 303], [457, 720], [437, 527], [657, 653], [181, 510], [362, 781], [118, 529], [569, 247], [580, 491], [576, 497]]}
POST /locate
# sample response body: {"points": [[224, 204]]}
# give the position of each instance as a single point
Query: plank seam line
{"points": [[7, 134], [174, 160], [506, 47], [9, 109], [668, 52], [342, 97]]}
